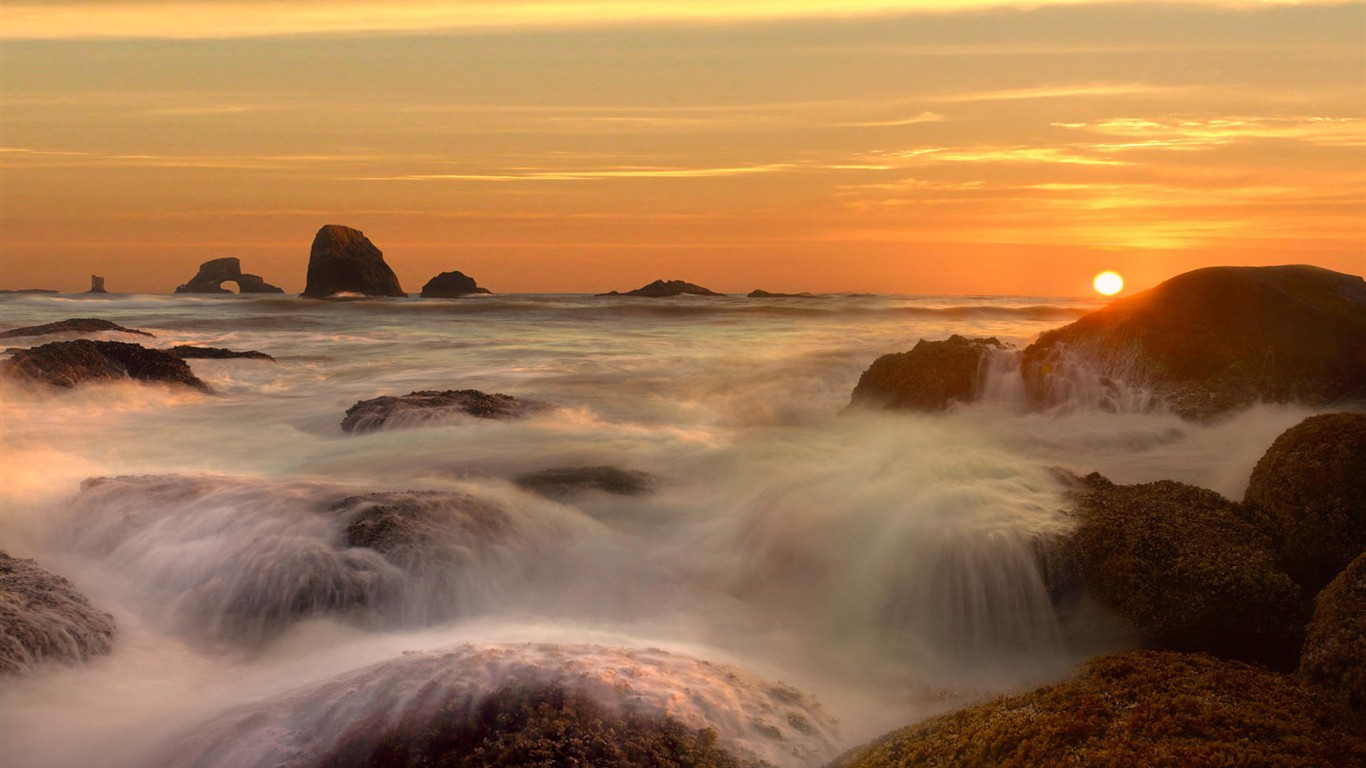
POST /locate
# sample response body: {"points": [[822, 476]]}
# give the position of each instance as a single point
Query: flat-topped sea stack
{"points": [[96, 284], [452, 285], [1214, 340], [212, 274], [343, 260], [664, 288]]}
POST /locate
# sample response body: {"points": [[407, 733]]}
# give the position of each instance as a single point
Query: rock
{"points": [[416, 408], [1187, 571], [451, 285], [74, 325], [1334, 655], [43, 617], [96, 284], [29, 290], [1213, 340], [187, 352], [212, 274], [562, 482], [68, 363], [1308, 494], [343, 260], [1141, 708], [760, 294], [929, 377], [662, 288]]}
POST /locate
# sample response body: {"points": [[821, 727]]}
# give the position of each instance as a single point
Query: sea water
{"points": [[879, 566]]}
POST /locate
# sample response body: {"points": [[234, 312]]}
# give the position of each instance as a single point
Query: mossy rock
{"points": [[1187, 571], [1142, 708], [1308, 494], [1334, 655]]}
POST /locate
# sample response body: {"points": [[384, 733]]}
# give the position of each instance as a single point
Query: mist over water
{"points": [[882, 565]]}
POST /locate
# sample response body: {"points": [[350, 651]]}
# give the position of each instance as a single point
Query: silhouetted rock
{"points": [[74, 325], [1216, 339], [929, 377], [96, 284], [187, 352], [416, 408], [663, 288], [1334, 655], [343, 260], [43, 617], [29, 290], [451, 285], [1187, 571], [68, 363], [761, 294], [1141, 708], [561, 482], [1308, 494], [212, 274]]}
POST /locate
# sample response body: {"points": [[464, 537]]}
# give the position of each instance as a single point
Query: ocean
{"points": [[798, 578]]}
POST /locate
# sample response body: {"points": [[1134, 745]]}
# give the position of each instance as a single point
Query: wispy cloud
{"points": [[1188, 133], [534, 175]]}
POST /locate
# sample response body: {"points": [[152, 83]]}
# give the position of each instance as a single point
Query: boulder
{"points": [[562, 482], [417, 408], [762, 294], [451, 285], [663, 288], [1334, 655], [43, 617], [96, 284], [929, 377], [1217, 339], [1181, 565], [212, 274], [187, 352], [68, 363], [343, 260], [1142, 708], [74, 325], [1308, 494]]}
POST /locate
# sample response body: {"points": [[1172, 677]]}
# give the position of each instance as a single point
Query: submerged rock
{"points": [[562, 482], [1213, 340], [74, 325], [68, 363], [425, 406], [1308, 494], [187, 352], [451, 285], [343, 260], [1334, 655], [1142, 708], [663, 288], [43, 617], [1187, 571], [96, 284], [212, 274], [929, 377]]}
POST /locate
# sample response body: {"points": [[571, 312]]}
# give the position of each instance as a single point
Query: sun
{"points": [[1108, 283]]}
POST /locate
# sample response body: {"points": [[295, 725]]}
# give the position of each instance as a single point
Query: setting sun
{"points": [[1108, 283]]}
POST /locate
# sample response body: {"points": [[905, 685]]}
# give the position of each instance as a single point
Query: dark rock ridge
{"points": [[68, 363], [96, 284], [212, 274], [1142, 708], [451, 285], [663, 288], [343, 260], [29, 290], [762, 294], [74, 325], [1213, 340], [1187, 571], [1334, 655], [187, 352], [416, 408], [929, 377], [1308, 494], [562, 482], [43, 617]]}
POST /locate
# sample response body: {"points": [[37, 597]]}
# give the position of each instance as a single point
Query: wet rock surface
{"points": [[187, 352], [929, 377], [427, 406], [44, 618], [74, 325], [70, 363], [564, 482], [343, 260]]}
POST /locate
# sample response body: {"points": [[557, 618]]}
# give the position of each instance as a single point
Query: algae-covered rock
{"points": [[1334, 654], [43, 617], [69, 363], [929, 377], [426, 406]]}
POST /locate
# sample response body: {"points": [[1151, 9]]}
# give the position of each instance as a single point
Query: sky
{"points": [[579, 146]]}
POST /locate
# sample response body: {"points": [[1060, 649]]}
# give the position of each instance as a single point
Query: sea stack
{"points": [[451, 285], [343, 260], [96, 284], [212, 274]]}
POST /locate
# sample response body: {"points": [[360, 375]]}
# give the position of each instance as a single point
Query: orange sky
{"points": [[578, 146]]}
